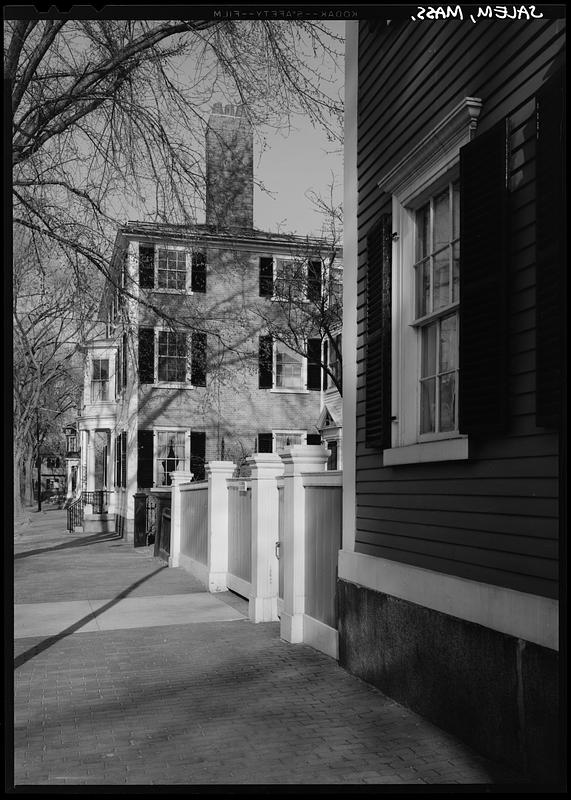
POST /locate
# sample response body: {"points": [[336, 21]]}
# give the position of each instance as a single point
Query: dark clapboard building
{"points": [[454, 357]]}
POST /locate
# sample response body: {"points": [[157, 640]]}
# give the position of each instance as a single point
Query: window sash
{"points": [[172, 356], [289, 368], [170, 454], [438, 399], [171, 268]]}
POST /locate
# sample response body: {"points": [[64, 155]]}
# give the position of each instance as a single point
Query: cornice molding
{"points": [[435, 153]]}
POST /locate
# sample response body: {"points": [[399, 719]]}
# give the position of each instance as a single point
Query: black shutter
{"points": [[146, 355], [117, 372], [124, 459], [483, 387], [313, 438], [265, 442], [314, 363], [118, 441], [198, 276], [146, 266], [265, 363], [325, 364], [266, 276], [314, 280], [198, 455], [198, 359], [551, 289], [144, 459], [124, 361], [378, 370]]}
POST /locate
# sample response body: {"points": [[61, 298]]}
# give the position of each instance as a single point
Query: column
{"points": [[90, 462], [265, 468], [297, 460], [178, 477], [218, 473]]}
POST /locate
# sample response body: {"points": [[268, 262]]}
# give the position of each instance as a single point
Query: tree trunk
{"points": [[18, 481]]}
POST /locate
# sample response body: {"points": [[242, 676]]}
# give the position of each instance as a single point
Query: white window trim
{"points": [[432, 162], [187, 383], [188, 262], [174, 429], [279, 389]]}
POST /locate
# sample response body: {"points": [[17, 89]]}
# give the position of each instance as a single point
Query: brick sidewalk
{"points": [[197, 704]]}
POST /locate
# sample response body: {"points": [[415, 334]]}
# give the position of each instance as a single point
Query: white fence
{"points": [[273, 538]]}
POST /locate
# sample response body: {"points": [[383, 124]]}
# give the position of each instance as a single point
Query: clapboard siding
{"points": [[493, 517]]}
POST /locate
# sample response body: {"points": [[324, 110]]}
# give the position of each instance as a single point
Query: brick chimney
{"points": [[229, 168]]}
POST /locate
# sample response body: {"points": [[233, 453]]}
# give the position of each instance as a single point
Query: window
{"points": [[173, 268], [291, 279], [282, 369], [289, 368], [100, 380], [172, 357], [170, 455], [437, 278], [332, 460], [71, 444], [333, 355], [413, 303], [171, 271], [166, 357], [277, 441]]}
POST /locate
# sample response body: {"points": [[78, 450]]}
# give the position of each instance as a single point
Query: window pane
{"points": [[448, 344], [423, 288], [422, 232], [441, 279], [170, 454], [427, 405], [441, 220], [428, 360], [448, 402]]}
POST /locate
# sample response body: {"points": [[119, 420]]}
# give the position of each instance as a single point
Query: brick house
{"points": [[202, 380], [454, 374]]}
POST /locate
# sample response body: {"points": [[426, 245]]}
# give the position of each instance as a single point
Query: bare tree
{"points": [[50, 317], [104, 110], [307, 302]]}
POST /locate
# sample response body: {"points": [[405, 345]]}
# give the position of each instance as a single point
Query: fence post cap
{"points": [[262, 464], [181, 476], [220, 467], [304, 458]]}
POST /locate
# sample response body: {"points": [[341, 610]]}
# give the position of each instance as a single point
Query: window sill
{"points": [[164, 290], [167, 385], [292, 391], [426, 452]]}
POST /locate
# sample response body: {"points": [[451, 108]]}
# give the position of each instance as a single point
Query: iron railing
{"points": [[75, 514], [99, 500], [150, 519]]}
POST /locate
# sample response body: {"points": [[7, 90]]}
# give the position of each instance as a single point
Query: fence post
{"points": [[265, 468], [297, 460], [177, 477], [218, 472]]}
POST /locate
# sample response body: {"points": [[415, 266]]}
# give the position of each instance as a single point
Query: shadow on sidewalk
{"points": [[97, 538], [47, 643]]}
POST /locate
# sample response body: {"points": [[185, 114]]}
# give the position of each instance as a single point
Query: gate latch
{"points": [[278, 545]]}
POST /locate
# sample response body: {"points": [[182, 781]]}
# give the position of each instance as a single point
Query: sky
{"points": [[290, 167]]}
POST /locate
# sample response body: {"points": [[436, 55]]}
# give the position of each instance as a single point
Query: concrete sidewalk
{"points": [[129, 673]]}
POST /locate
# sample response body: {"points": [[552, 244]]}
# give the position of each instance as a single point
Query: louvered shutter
{"points": [[146, 266], [325, 364], [124, 361], [117, 372], [550, 253], [265, 359], [266, 276], [198, 359], [146, 355], [378, 348], [265, 442], [118, 441], [198, 275], [124, 459], [314, 280], [313, 438], [144, 459], [483, 283], [314, 363], [198, 455]]}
